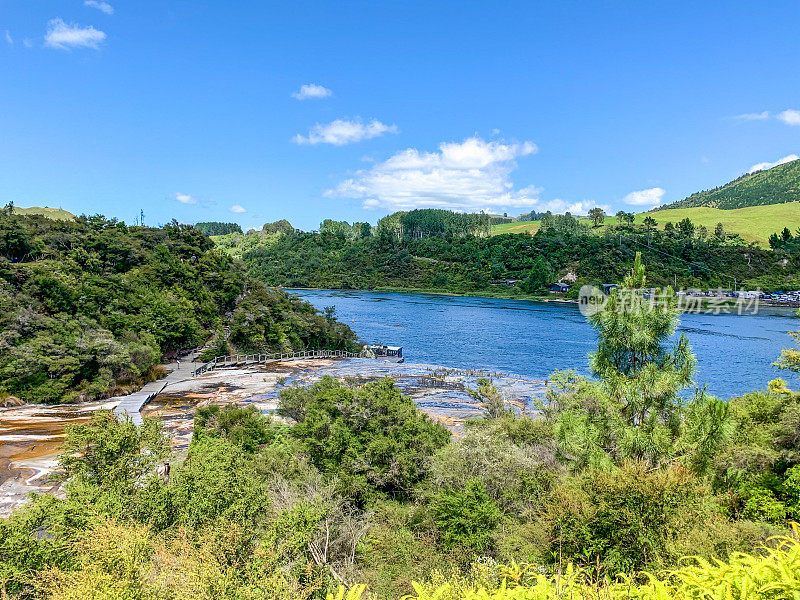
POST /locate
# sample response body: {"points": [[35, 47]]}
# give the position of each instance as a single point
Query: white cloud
{"points": [[185, 198], [763, 166], [9, 39], [560, 206], [312, 90], [101, 6], [341, 132], [63, 37], [467, 176], [762, 116], [790, 117], [649, 197], [28, 43], [236, 208]]}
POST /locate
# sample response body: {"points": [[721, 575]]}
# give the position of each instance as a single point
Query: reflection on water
{"points": [[735, 353]]}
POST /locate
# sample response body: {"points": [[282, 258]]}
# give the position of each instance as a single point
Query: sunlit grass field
{"points": [[57, 214], [754, 223]]}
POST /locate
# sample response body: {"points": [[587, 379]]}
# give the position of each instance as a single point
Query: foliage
{"points": [[217, 228], [515, 474], [466, 517], [89, 307], [777, 185], [269, 320], [428, 256], [489, 397], [111, 452], [243, 426], [372, 437], [626, 519], [773, 572], [597, 216]]}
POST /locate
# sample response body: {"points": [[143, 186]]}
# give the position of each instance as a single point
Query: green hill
{"points": [[56, 214], [777, 185], [754, 223]]}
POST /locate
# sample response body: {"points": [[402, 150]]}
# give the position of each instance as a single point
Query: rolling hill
{"points": [[754, 223], [778, 185], [57, 214]]}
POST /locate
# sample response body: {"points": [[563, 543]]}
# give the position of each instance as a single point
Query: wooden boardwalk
{"points": [[231, 361], [132, 404]]}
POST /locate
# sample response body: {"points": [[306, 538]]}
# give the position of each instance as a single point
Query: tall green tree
{"points": [[634, 410], [540, 275], [597, 216]]}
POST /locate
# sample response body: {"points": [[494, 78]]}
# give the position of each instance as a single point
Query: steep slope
{"points": [[89, 307], [777, 185]]}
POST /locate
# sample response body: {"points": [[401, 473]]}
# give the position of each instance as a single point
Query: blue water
{"points": [[734, 353]]}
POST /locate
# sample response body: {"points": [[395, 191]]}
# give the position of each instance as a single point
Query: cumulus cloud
{"points": [[236, 208], [763, 166], [312, 90], [790, 117], [104, 7], [762, 116], [62, 36], [9, 39], [468, 176], [649, 197], [185, 198], [560, 206], [341, 132]]}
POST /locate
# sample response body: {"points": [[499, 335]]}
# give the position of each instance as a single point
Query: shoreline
{"points": [[729, 307], [31, 435]]}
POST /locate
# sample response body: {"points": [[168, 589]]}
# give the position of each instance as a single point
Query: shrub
{"points": [[372, 437], [625, 519], [466, 517]]}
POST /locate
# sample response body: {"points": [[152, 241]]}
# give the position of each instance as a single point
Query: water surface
{"points": [[735, 353]]}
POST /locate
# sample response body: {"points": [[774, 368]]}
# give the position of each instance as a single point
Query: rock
{"points": [[9, 401]]}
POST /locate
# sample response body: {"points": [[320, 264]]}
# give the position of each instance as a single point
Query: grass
{"points": [[754, 223], [57, 214]]}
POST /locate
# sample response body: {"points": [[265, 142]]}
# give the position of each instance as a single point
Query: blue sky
{"points": [[195, 110]]}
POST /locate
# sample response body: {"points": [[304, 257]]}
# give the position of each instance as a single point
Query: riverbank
{"points": [[690, 304], [31, 435], [499, 295]]}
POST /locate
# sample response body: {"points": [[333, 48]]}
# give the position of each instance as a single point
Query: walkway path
{"points": [[132, 404]]}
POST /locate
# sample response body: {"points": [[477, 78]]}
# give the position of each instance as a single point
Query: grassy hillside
{"points": [[777, 185], [57, 214], [754, 224]]}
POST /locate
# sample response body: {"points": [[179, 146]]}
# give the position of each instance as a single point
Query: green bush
{"points": [[371, 436], [466, 517]]}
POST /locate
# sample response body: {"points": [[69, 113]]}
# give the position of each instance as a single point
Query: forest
{"points": [[90, 308], [427, 251], [597, 494]]}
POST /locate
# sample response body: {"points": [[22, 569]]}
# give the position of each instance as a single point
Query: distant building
{"points": [[560, 287], [389, 353], [609, 287]]}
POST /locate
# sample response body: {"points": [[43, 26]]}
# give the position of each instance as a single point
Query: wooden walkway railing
{"points": [[241, 360]]}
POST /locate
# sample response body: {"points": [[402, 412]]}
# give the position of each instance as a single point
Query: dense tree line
{"points": [[89, 307], [681, 254], [621, 472], [217, 228], [433, 222]]}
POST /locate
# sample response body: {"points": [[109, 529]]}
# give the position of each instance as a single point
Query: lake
{"points": [[735, 353]]}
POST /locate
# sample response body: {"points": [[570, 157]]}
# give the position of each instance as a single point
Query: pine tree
{"points": [[641, 373]]}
